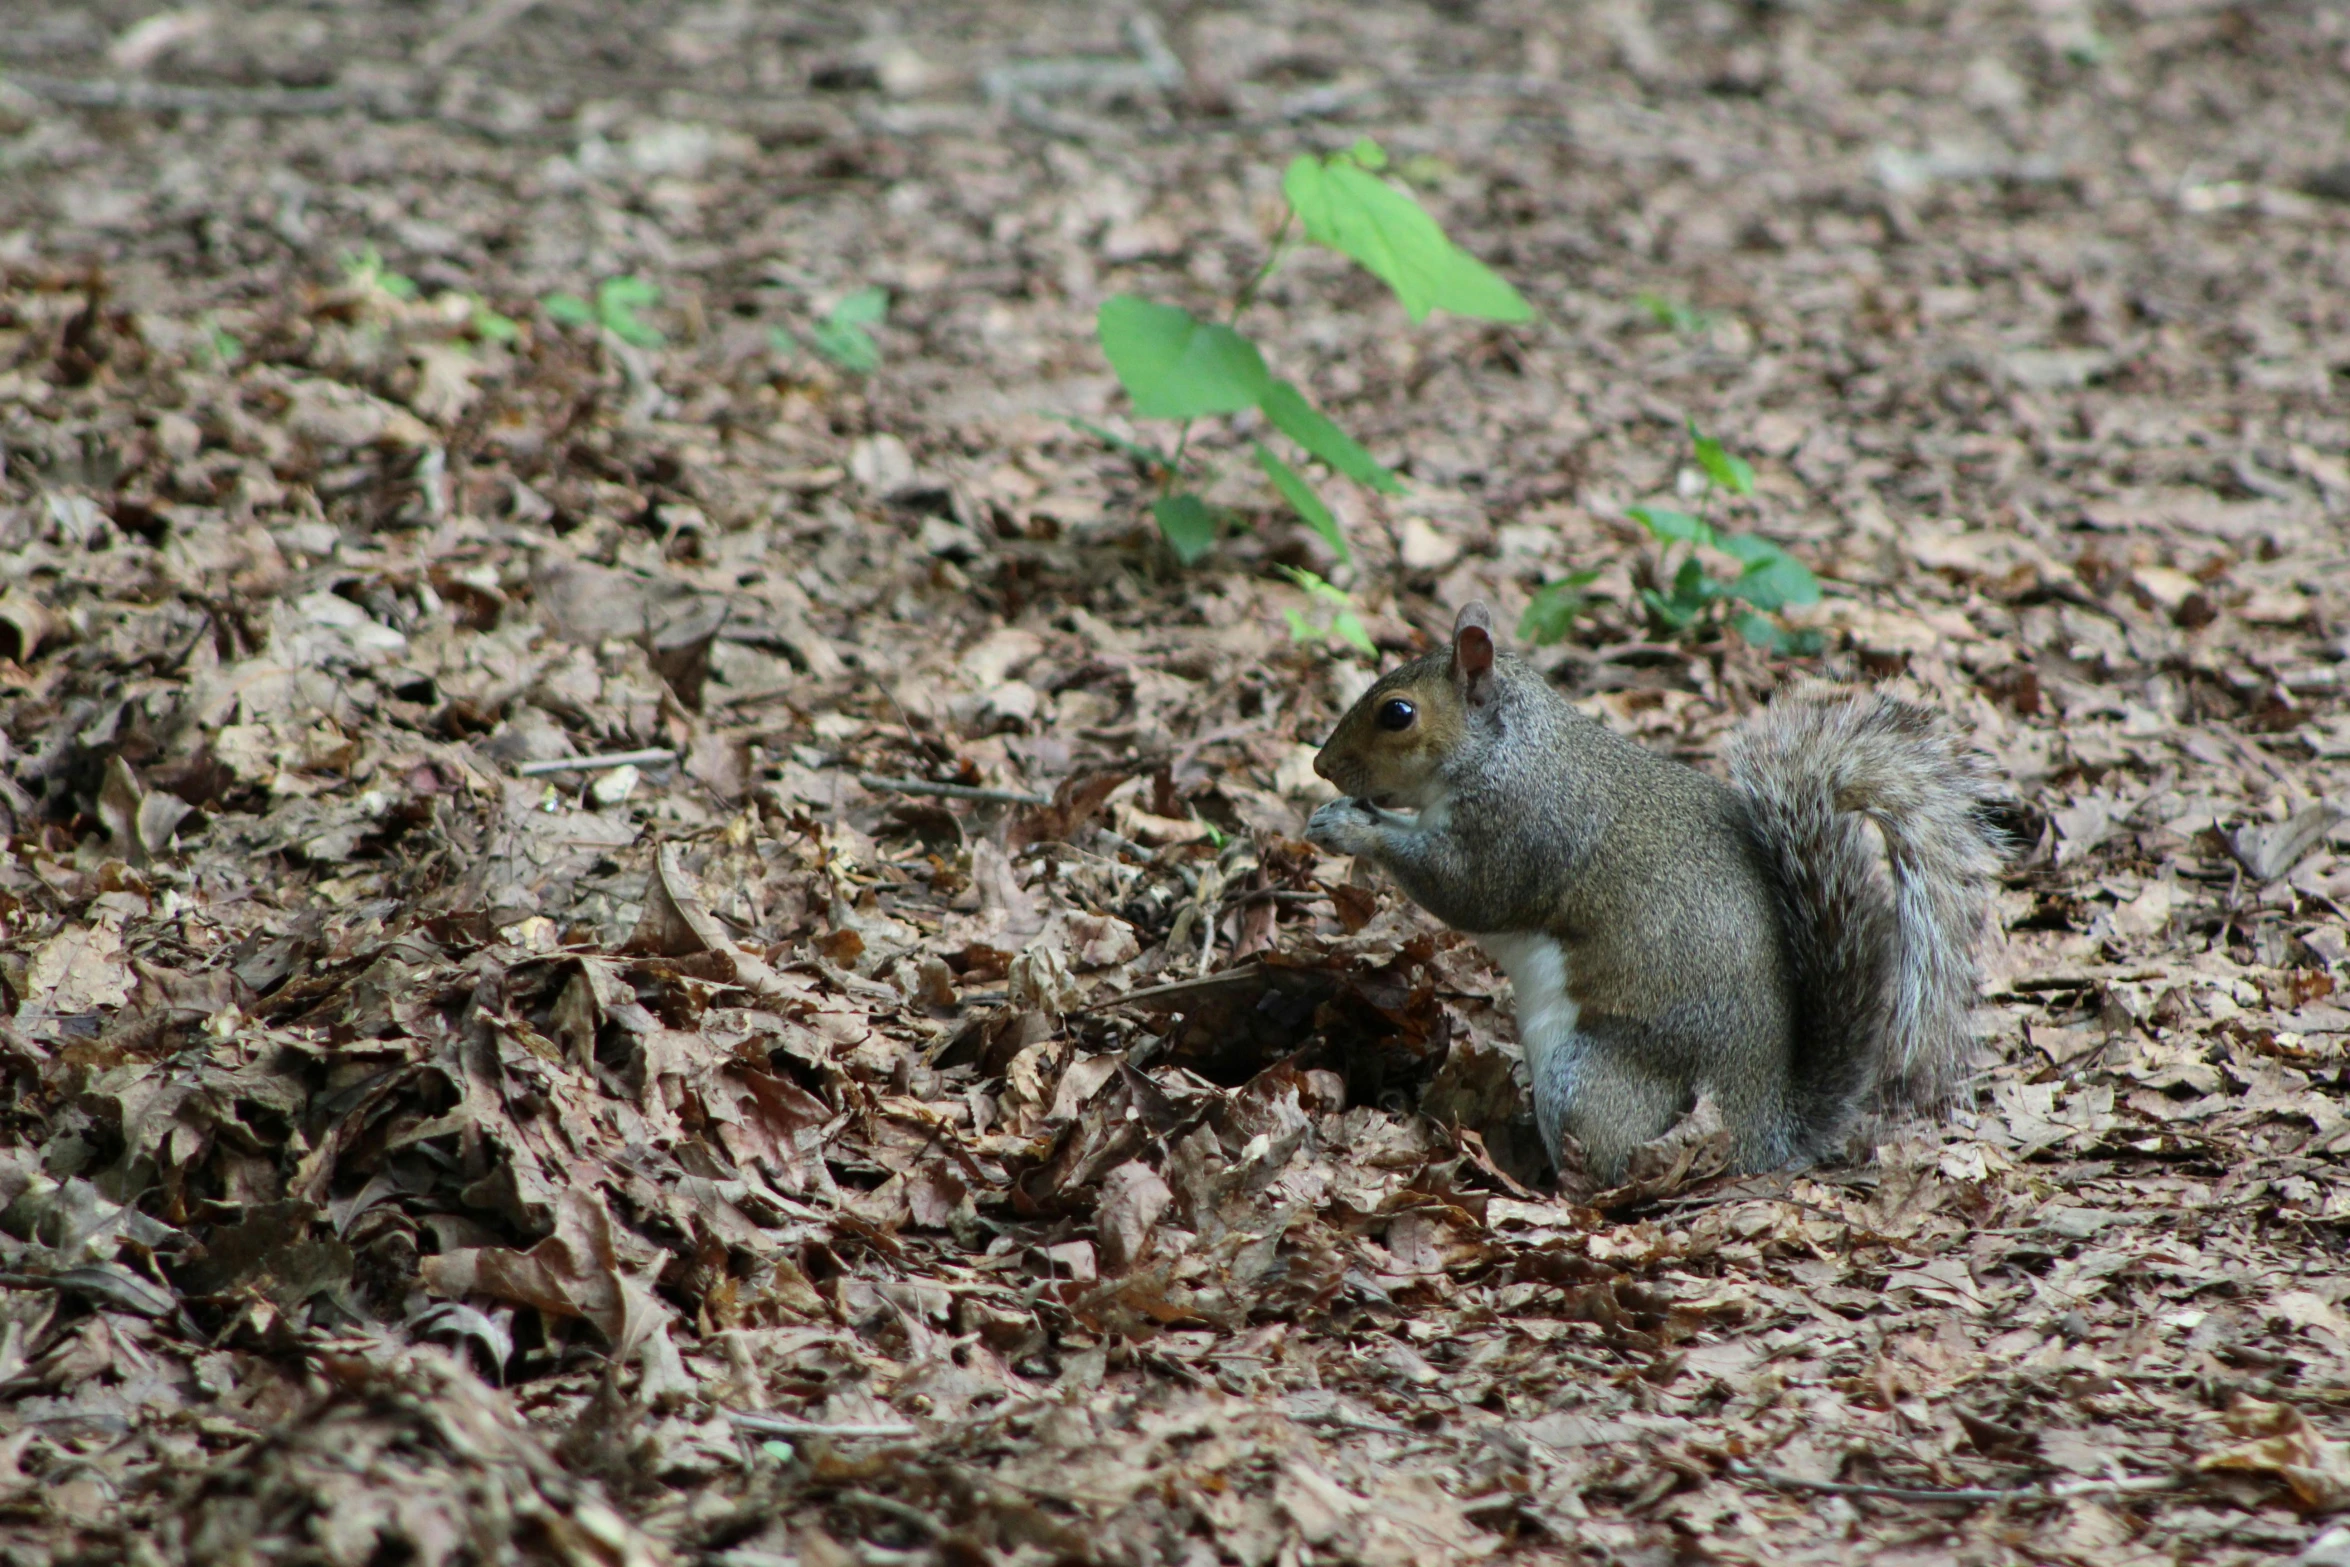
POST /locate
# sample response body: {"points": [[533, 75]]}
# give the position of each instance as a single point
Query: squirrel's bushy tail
{"points": [[1886, 970]]}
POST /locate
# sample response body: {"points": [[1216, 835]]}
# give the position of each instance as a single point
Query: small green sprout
{"points": [[366, 269], [618, 300], [1338, 615], [1679, 319], [841, 336]]}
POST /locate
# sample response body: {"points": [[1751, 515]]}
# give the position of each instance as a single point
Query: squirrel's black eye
{"points": [[1397, 713]]}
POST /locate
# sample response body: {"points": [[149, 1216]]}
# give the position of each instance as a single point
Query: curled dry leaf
{"points": [[2281, 1442]]}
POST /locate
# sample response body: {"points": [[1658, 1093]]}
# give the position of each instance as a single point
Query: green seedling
{"points": [[1551, 613], [1337, 616], [1176, 366], [841, 336], [1679, 319], [486, 324], [365, 269], [224, 347], [1769, 579], [618, 299]]}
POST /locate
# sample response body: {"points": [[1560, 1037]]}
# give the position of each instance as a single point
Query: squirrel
{"points": [[1671, 936]]}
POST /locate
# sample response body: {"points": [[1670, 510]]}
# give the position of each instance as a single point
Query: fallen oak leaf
{"points": [[575, 1272], [2286, 1445]]}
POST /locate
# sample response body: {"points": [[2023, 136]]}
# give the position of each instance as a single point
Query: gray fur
{"points": [[1734, 942], [1822, 761]]}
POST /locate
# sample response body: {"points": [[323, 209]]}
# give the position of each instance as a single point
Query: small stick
{"points": [[890, 1507], [950, 791], [755, 695], [1898, 1493], [787, 1425], [1246, 971], [593, 764], [168, 97]]}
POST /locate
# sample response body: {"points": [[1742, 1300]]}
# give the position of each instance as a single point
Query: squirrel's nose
{"points": [[1322, 765]]}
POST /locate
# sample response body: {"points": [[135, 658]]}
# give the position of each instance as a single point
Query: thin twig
{"points": [[890, 1507], [787, 1425], [472, 31], [952, 791], [1273, 895], [1230, 976], [168, 97], [594, 764], [1902, 1493], [755, 695]]}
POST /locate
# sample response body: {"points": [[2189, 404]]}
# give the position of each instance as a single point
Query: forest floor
{"points": [[409, 1156]]}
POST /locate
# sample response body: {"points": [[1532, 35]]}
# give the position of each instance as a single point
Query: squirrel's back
{"points": [[1874, 817]]}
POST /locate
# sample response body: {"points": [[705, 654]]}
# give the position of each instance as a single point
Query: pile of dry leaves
{"points": [[929, 1105]]}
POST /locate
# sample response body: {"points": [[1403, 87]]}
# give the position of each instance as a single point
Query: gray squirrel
{"points": [[1669, 935]]}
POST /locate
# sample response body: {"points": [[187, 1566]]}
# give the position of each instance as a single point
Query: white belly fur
{"points": [[1537, 967]]}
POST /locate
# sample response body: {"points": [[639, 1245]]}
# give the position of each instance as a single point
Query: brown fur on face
{"points": [[1402, 765], [1397, 768]]}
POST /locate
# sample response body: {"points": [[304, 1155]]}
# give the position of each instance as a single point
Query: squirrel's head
{"points": [[1391, 746]]}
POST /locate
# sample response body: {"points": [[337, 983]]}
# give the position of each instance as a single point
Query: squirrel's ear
{"points": [[1472, 644]]}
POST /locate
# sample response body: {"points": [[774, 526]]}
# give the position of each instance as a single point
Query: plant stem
{"points": [[1248, 291], [1175, 463]]}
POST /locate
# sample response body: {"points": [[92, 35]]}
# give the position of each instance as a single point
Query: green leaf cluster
{"points": [[486, 324], [615, 310], [1551, 613], [366, 269], [1769, 579], [1338, 615], [1674, 317], [1177, 366], [841, 336]]}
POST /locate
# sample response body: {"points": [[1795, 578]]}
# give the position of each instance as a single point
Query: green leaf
{"points": [[1672, 527], [1118, 443], [1776, 582], [1669, 614], [569, 310], [1552, 611], [862, 308], [1693, 588], [1345, 624], [1175, 366], [1731, 473], [847, 345], [1302, 499], [366, 269], [617, 304], [1367, 153], [225, 346], [1353, 211], [1188, 524], [841, 336], [1763, 632], [487, 324], [1672, 317], [1305, 424]]}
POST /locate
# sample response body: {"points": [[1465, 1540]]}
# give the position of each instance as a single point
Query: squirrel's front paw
{"points": [[1343, 826]]}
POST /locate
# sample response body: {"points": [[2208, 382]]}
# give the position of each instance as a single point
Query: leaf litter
{"points": [[930, 1105]]}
